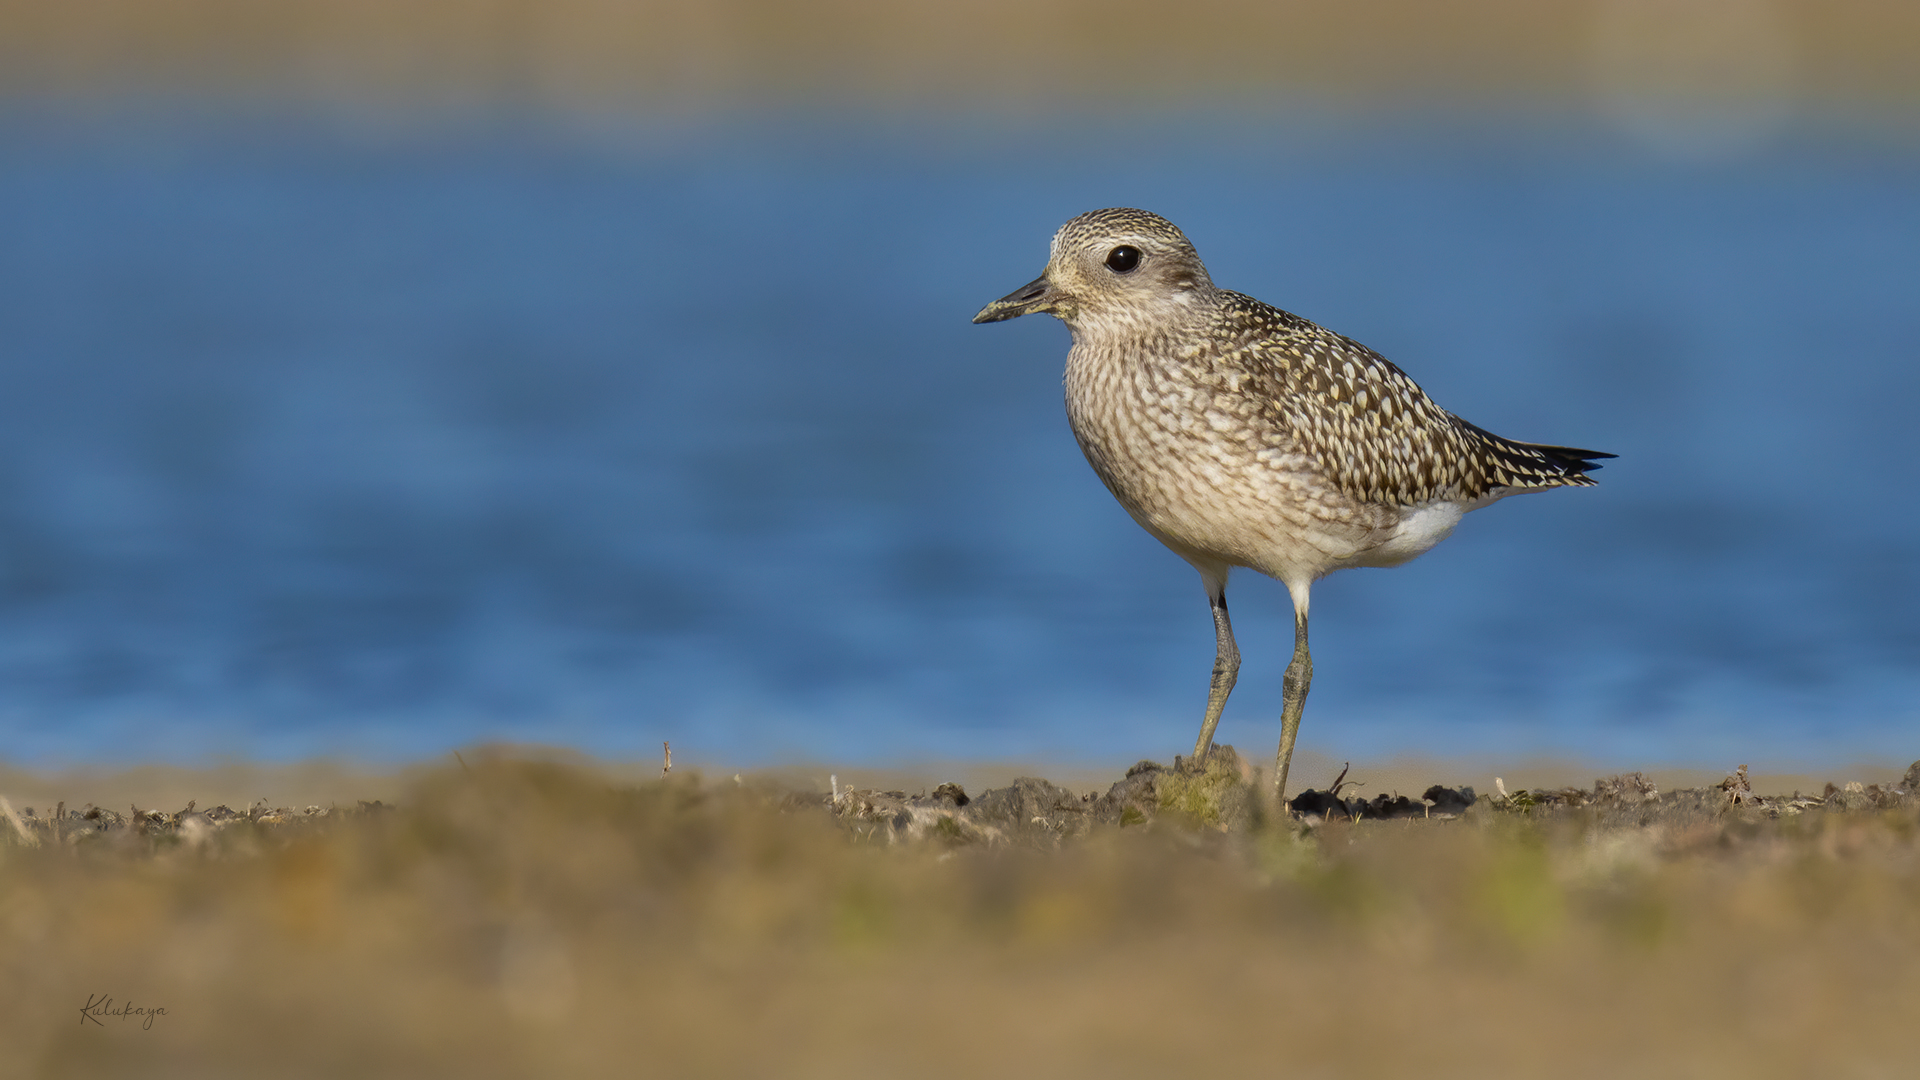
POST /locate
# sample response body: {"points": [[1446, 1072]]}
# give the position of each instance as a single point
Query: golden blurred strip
{"points": [[1038, 56]]}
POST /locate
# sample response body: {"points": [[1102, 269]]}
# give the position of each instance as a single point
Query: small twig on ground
{"points": [[1341, 780], [666, 748], [6, 809], [462, 761]]}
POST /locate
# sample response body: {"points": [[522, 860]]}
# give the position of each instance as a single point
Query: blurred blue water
{"points": [[329, 441]]}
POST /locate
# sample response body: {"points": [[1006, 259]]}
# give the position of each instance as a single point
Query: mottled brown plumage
{"points": [[1242, 435], [1372, 431]]}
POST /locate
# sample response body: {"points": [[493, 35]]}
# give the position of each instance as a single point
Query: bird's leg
{"points": [[1293, 698], [1226, 669]]}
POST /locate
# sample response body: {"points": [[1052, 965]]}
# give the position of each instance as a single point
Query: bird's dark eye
{"points": [[1123, 259]]}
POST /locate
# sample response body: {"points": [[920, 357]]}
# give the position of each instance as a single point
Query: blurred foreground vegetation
{"points": [[528, 919]]}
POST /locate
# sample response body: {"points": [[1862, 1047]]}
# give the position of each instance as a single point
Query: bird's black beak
{"points": [[1036, 295]]}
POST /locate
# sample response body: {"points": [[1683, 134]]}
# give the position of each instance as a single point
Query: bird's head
{"points": [[1116, 269]]}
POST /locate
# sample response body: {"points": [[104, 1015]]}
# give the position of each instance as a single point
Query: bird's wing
{"points": [[1375, 433]]}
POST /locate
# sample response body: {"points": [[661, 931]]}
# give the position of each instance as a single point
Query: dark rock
{"points": [[1132, 801], [1032, 809], [1313, 803], [1449, 801], [1392, 806]]}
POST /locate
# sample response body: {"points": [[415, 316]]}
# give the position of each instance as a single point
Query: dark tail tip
{"points": [[1574, 462]]}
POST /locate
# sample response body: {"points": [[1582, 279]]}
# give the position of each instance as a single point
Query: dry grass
{"points": [[1045, 55], [526, 919]]}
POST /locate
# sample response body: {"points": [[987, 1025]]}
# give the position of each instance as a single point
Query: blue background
{"points": [[316, 440]]}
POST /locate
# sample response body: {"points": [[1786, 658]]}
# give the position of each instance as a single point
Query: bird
{"points": [[1241, 435]]}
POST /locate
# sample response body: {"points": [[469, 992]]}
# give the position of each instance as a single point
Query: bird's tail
{"points": [[1532, 465]]}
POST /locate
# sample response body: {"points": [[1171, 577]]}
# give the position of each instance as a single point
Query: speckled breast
{"points": [[1195, 465]]}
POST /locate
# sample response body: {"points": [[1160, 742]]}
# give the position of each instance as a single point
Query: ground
{"points": [[507, 917]]}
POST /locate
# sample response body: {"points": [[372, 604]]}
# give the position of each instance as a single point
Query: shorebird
{"points": [[1242, 435]]}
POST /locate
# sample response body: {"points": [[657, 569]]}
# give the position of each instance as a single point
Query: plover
{"points": [[1242, 435]]}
